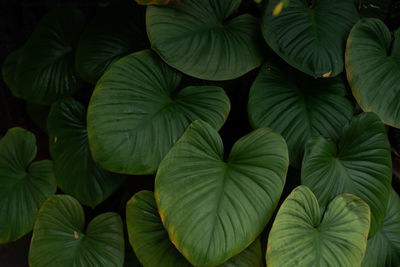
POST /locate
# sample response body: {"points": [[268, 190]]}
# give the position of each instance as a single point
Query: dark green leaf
{"points": [[310, 35], [358, 164], [8, 70], [211, 208], [298, 106], [138, 111], [24, 185], [303, 236], [205, 39], [60, 237], [75, 171], [45, 70]]}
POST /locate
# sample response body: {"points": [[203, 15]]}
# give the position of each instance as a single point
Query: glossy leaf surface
{"points": [[310, 35], [384, 248], [24, 185], [372, 65], [138, 111], [116, 31], [298, 107], [359, 163], [60, 237], [45, 70], [151, 243], [211, 208], [74, 168], [304, 236], [205, 39]]}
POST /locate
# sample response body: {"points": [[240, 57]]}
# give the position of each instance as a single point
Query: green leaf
{"points": [[359, 163], [116, 31], [45, 70], [298, 106], [8, 70], [148, 236], [310, 37], [152, 245], [60, 237], [138, 111], [372, 65], [24, 185], [384, 248], [205, 39], [211, 208], [74, 168], [303, 236]]}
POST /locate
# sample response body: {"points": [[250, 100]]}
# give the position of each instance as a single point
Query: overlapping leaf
{"points": [[298, 107], [204, 38], [310, 35], [211, 208], [304, 236], [116, 31], [152, 245], [384, 248], [372, 65], [138, 111], [45, 70], [74, 168], [24, 185], [359, 163], [60, 237]]}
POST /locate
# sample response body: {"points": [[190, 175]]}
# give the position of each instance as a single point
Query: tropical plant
{"points": [[207, 133]]}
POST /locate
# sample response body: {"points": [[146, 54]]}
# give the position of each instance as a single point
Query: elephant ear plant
{"points": [[172, 126]]}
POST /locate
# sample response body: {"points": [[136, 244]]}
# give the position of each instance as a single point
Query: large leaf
{"points": [[8, 70], [45, 70], [383, 250], [24, 185], [74, 168], [60, 237], [152, 245], [138, 111], [212, 208], [116, 31], [202, 39], [310, 35], [298, 107], [359, 163], [304, 236], [372, 65]]}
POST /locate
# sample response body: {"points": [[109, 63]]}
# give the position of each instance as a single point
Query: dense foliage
{"points": [[261, 130]]}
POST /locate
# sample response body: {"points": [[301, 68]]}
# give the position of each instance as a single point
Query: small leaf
{"points": [[60, 237], [24, 185], [303, 236]]}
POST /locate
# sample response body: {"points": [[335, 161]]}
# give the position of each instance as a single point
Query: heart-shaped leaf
{"points": [[24, 185], [358, 164], [74, 168], [211, 208], [45, 70], [384, 248], [61, 239], [116, 31], [298, 107], [138, 111], [310, 35], [152, 245], [8, 70], [372, 65], [200, 38], [303, 236]]}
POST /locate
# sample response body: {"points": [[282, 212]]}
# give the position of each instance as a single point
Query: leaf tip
{"points": [[277, 9]]}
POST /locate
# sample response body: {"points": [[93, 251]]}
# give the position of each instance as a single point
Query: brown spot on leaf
{"points": [[55, 139], [326, 75], [76, 234]]}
